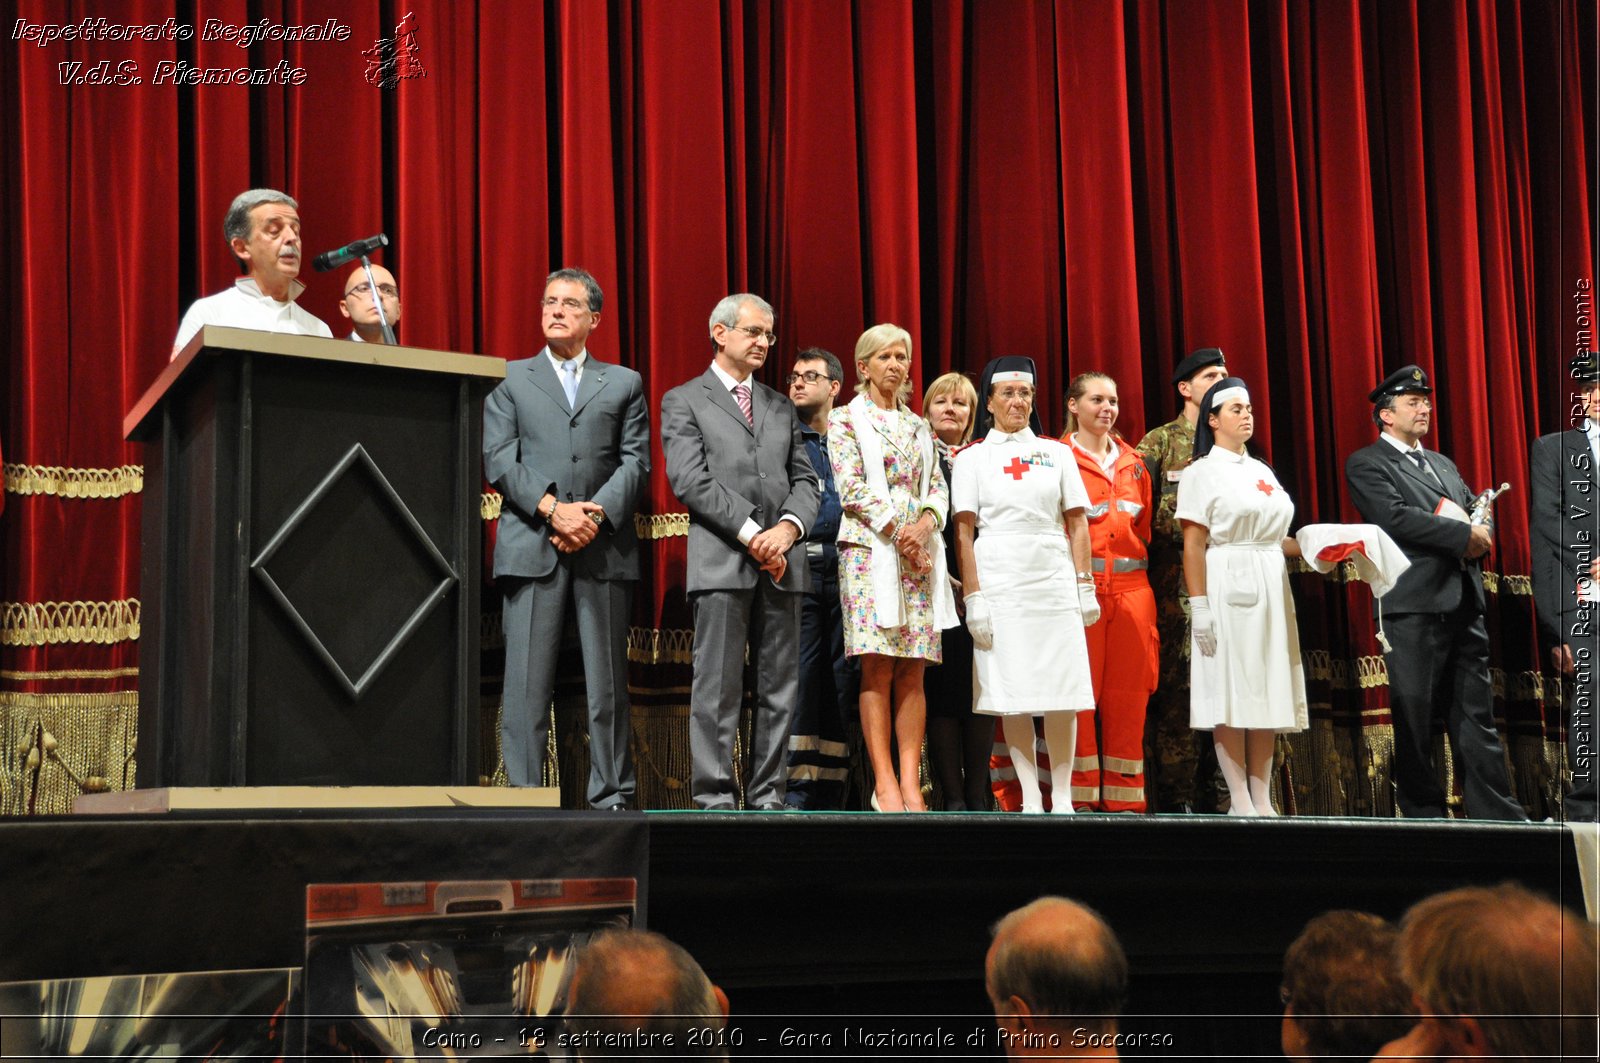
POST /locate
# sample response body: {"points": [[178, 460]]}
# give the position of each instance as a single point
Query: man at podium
{"points": [[262, 228], [360, 303]]}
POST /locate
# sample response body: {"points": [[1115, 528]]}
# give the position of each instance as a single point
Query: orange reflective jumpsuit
{"points": [[1124, 648]]}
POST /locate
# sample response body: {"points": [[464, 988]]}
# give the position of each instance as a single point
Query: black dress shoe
{"points": [[775, 806]]}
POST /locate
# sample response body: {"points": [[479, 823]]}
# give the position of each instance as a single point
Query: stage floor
{"points": [[810, 921]]}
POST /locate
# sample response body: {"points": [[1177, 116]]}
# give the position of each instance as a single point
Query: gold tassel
{"points": [[57, 746]]}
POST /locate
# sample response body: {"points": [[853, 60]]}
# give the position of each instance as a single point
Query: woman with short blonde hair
{"points": [[893, 588]]}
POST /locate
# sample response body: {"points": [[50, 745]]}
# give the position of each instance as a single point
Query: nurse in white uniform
{"points": [[1023, 544], [1247, 684]]}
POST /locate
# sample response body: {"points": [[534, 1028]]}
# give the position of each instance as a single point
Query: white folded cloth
{"points": [[1378, 559]]}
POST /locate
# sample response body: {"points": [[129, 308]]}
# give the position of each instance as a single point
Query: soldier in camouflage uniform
{"points": [[1172, 755]]}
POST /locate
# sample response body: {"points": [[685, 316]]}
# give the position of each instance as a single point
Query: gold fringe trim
{"points": [[74, 483], [1343, 572], [70, 673], [49, 623], [661, 525], [1371, 672], [646, 525], [661, 646], [1491, 582], [1522, 585]]}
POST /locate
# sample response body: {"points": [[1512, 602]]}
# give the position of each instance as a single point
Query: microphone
{"points": [[339, 256]]}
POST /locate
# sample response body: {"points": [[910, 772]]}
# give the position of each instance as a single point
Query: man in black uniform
{"points": [[1565, 526], [1439, 656]]}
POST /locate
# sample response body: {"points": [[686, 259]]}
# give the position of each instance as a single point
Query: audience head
{"points": [[1500, 972], [1055, 969], [951, 404], [1342, 991], [638, 982]]}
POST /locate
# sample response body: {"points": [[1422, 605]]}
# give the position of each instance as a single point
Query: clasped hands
{"points": [[771, 547], [572, 525], [912, 542]]}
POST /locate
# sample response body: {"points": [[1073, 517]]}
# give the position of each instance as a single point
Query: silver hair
{"points": [[591, 287], [726, 312], [236, 225]]}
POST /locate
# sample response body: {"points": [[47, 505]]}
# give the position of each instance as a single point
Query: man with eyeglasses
{"points": [[819, 758], [737, 461], [1438, 645], [262, 229], [566, 442], [361, 309]]}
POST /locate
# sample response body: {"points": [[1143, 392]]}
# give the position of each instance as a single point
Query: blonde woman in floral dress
{"points": [[892, 579]]}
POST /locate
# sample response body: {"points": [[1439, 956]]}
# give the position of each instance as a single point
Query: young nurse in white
{"points": [[1247, 683]]}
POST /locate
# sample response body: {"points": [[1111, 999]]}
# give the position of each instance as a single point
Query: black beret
{"points": [[1195, 362], [1407, 378]]}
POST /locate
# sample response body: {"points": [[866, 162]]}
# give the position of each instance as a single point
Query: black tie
{"points": [[1422, 463]]}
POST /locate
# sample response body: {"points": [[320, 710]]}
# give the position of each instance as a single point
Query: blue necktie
{"points": [[569, 382]]}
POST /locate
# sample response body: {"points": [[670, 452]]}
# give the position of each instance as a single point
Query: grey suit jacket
{"points": [[1564, 522], [534, 443], [1391, 492], [725, 471]]}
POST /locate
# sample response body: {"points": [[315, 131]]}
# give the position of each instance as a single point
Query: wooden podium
{"points": [[311, 563]]}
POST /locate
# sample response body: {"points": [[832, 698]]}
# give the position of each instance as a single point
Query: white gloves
{"points": [[1203, 624], [1088, 603], [979, 621]]}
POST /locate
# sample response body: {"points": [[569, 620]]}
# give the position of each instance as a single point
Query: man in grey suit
{"points": [[1439, 661], [1565, 525], [566, 441], [736, 459]]}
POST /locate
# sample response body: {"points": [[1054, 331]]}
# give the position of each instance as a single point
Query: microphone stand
{"points": [[377, 301]]}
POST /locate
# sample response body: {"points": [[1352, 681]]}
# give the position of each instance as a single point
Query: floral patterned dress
{"points": [[865, 514]]}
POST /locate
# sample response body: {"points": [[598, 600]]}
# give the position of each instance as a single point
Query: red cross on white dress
{"points": [[1264, 487], [1016, 468]]}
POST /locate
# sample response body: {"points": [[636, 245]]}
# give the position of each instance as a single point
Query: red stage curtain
{"points": [[1325, 190]]}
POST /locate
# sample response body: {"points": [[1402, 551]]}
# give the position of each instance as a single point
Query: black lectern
{"points": [[311, 563]]}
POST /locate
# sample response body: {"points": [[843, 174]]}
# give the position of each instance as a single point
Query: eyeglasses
{"points": [[569, 303], [1009, 394], [364, 289], [810, 376], [755, 333]]}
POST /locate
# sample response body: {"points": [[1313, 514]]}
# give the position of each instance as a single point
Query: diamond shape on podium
{"points": [[355, 514]]}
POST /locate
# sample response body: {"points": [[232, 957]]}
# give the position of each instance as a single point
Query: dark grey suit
{"points": [[726, 472], [1439, 664], [1565, 525], [597, 449]]}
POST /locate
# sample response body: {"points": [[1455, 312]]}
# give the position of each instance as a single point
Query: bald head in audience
{"points": [[636, 993], [1057, 978], [1498, 973]]}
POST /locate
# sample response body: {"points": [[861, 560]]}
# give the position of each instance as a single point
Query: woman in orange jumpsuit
{"points": [[1108, 774]]}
